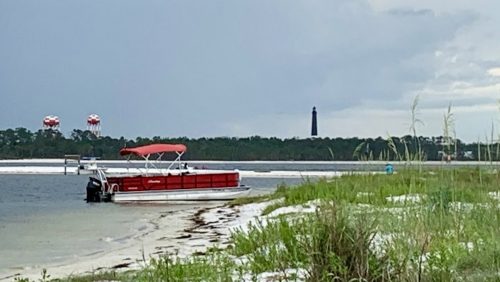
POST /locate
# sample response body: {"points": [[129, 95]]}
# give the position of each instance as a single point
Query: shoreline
{"points": [[59, 170], [196, 230], [373, 162], [200, 228]]}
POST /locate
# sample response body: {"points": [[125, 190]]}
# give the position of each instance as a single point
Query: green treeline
{"points": [[21, 143]]}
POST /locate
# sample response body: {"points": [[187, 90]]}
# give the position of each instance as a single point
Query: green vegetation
{"points": [[22, 143]]}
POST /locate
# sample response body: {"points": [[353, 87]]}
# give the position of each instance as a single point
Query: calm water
{"points": [[267, 166], [44, 218]]}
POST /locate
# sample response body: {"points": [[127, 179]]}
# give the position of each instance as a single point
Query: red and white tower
{"points": [[94, 124], [51, 122]]}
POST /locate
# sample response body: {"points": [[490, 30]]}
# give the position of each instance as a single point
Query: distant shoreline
{"points": [[61, 161], [59, 170], [274, 169]]}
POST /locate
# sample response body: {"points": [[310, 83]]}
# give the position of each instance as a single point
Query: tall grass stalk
{"points": [[448, 130], [331, 153], [492, 143], [419, 156], [393, 148], [479, 160]]}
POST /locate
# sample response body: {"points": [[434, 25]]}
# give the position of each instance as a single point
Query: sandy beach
{"points": [[72, 170], [303, 169], [181, 233]]}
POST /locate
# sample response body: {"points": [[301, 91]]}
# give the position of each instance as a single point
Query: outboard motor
{"points": [[94, 189]]}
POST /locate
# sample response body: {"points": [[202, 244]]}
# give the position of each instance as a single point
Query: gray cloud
{"points": [[199, 68]]}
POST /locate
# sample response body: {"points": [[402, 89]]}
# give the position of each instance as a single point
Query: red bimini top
{"points": [[154, 149]]}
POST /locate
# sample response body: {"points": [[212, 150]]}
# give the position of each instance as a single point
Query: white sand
{"points": [[495, 195], [181, 233], [243, 173], [407, 198], [32, 166], [61, 161]]}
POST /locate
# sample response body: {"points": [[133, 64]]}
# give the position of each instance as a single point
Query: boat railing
{"points": [[102, 177], [113, 188]]}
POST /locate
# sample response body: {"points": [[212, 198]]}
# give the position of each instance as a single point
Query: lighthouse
{"points": [[314, 127]]}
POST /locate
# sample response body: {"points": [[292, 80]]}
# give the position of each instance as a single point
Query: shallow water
{"points": [[45, 220]]}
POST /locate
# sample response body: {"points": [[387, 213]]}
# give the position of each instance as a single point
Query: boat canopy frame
{"points": [[147, 151]]}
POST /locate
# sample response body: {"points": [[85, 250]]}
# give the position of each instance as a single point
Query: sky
{"points": [[244, 68]]}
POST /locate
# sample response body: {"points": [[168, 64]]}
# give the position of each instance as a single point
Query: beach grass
{"points": [[436, 225], [213, 267]]}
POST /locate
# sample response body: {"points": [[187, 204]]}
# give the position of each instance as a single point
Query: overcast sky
{"points": [[243, 68]]}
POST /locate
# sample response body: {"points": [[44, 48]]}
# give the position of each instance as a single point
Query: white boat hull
{"points": [[202, 194]]}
